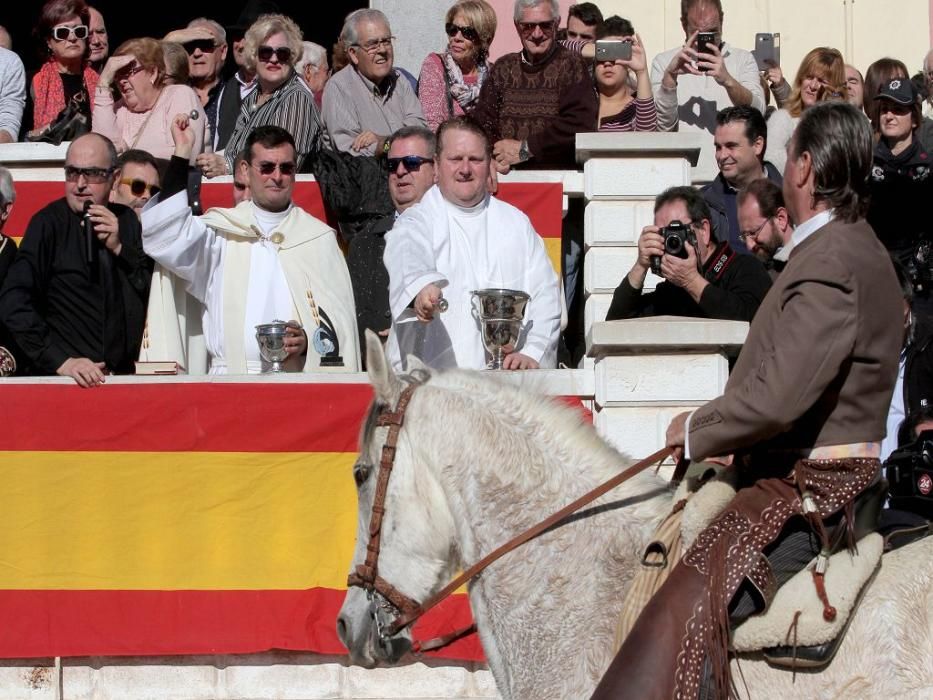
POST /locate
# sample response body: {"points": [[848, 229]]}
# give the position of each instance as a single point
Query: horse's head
{"points": [[412, 545]]}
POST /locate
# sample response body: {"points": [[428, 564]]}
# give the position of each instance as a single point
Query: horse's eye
{"points": [[361, 474]]}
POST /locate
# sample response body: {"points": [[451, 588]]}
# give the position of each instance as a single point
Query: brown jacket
{"points": [[820, 362]]}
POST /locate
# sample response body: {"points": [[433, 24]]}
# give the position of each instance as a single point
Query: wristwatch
{"points": [[523, 152]]}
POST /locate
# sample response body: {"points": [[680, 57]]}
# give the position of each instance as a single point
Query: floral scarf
{"points": [[49, 92], [464, 94]]}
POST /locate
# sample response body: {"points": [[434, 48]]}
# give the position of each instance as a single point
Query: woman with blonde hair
{"points": [[450, 82], [272, 46], [142, 117], [821, 76]]}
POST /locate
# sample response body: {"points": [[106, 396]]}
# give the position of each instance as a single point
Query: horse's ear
{"points": [[386, 385], [413, 364]]}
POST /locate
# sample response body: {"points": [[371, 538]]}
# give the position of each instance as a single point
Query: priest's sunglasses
{"points": [[138, 187], [266, 167], [63, 32], [94, 176], [412, 163]]}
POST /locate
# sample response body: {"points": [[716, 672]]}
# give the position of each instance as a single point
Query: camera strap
{"points": [[719, 262]]}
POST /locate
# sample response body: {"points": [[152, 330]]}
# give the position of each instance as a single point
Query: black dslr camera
{"points": [[909, 471], [677, 236]]}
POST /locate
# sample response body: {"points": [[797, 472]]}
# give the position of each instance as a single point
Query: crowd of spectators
{"points": [[365, 128]]}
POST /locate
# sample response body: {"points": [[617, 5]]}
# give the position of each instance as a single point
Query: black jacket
{"points": [[737, 284], [918, 379]]}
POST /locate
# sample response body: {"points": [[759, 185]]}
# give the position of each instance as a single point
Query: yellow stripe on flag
{"points": [[552, 246], [176, 520]]}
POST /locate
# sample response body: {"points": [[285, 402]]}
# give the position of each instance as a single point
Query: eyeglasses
{"points": [[205, 46], [94, 176], [267, 168], [138, 187], [412, 163], [467, 33], [62, 32], [373, 45], [283, 54], [129, 73], [528, 28], [752, 234]]}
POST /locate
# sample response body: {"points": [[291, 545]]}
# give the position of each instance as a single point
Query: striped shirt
{"points": [[290, 107], [353, 104], [639, 115]]}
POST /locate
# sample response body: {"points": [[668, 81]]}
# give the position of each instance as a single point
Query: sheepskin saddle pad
{"points": [[794, 619]]}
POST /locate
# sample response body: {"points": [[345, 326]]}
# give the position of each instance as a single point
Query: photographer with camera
{"points": [[703, 277]]}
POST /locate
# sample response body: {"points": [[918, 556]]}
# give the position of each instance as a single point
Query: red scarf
{"points": [[49, 92]]}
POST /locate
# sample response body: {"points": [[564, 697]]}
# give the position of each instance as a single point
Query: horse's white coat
{"points": [[480, 461]]}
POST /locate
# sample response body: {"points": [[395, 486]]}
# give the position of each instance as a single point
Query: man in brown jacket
{"points": [[803, 413]]}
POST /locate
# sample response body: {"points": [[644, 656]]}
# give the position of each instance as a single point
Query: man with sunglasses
{"points": [[138, 181], [263, 260], [367, 100], [205, 41], [534, 102], [74, 300]]}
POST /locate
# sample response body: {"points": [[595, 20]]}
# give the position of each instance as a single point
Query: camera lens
{"points": [[674, 244]]}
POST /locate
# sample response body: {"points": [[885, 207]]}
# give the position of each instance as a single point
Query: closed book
{"points": [[166, 367]]}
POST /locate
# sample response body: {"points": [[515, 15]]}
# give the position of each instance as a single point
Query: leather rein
{"points": [[367, 576]]}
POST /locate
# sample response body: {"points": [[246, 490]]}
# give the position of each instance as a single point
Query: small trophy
{"points": [[271, 339], [500, 313]]}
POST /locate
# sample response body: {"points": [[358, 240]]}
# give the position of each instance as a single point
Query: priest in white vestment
{"points": [[459, 239], [261, 261]]}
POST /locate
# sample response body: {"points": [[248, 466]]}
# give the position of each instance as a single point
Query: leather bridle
{"points": [[367, 576]]}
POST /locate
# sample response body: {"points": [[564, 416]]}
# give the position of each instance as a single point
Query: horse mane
{"points": [[536, 431]]}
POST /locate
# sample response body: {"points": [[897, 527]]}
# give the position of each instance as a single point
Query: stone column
{"points": [[647, 370], [622, 174]]}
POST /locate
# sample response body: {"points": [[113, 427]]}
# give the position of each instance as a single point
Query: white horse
{"points": [[479, 461]]}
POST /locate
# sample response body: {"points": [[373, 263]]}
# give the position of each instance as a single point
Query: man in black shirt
{"points": [[74, 303], [711, 282]]}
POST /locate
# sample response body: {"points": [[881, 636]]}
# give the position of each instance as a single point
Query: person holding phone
{"points": [[821, 76], [619, 53], [692, 82]]}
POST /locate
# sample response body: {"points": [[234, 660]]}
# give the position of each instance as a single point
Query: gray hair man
{"points": [[803, 412], [12, 95], [7, 197], [313, 69], [368, 99], [205, 40], [458, 239]]}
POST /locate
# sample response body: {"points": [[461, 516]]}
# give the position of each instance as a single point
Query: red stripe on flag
{"points": [[542, 202], [222, 417], [151, 623]]}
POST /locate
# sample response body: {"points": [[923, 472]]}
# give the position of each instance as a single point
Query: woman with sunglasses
{"points": [[450, 82], [65, 77], [272, 46], [142, 117]]}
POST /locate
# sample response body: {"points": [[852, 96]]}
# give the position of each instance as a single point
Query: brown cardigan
{"points": [[820, 362]]}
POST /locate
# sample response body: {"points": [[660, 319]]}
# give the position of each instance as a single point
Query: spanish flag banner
{"points": [[542, 202], [168, 517]]}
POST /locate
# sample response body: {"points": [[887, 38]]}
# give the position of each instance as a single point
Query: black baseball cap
{"points": [[899, 90]]}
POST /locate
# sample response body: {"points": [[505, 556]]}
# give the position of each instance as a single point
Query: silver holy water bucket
{"points": [[500, 313], [271, 339]]}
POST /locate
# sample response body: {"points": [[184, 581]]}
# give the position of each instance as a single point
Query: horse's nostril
{"points": [[343, 632]]}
